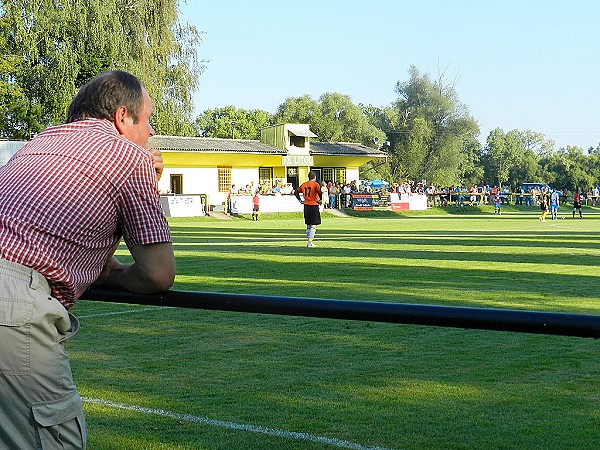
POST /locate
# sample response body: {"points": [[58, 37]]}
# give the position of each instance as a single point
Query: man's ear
{"points": [[120, 117]]}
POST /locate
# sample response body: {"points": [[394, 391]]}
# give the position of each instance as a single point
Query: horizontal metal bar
{"points": [[580, 325]]}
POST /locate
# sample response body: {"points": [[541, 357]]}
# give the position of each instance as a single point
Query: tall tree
{"points": [[333, 118], [229, 122], [434, 135], [411, 151], [537, 142], [382, 118], [526, 169], [59, 45], [569, 168], [299, 110], [502, 152], [18, 118]]}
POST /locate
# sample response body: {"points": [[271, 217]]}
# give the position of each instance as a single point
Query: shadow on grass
{"points": [[544, 239], [431, 266]]}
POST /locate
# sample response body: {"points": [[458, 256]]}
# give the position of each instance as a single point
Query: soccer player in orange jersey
{"points": [[311, 193]]}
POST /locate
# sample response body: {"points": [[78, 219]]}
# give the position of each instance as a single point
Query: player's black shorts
{"points": [[312, 215], [576, 205], [255, 207]]}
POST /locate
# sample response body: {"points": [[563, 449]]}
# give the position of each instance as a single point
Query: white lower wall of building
{"points": [[196, 180], [242, 204], [205, 180], [243, 177], [352, 175]]}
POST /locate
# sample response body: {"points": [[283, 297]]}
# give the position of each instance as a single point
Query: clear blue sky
{"points": [[518, 64]]}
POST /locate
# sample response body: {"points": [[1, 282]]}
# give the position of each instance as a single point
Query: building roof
{"points": [[300, 130], [344, 148], [210, 145], [220, 145]]}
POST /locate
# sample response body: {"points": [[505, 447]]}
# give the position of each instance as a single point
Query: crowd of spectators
{"points": [[278, 188], [593, 196], [484, 194], [337, 195]]}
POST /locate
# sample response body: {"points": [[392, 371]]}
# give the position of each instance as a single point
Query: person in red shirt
{"points": [[67, 198], [311, 197], [255, 205], [577, 203]]}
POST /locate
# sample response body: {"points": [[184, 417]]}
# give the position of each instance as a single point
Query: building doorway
{"points": [[176, 184], [319, 173], [292, 177]]}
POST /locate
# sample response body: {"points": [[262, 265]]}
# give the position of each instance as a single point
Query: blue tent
{"points": [[378, 183]]}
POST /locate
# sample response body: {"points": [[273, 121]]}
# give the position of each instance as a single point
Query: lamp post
{"points": [[233, 129]]}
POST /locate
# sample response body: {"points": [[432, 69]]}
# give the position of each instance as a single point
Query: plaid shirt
{"points": [[69, 195]]}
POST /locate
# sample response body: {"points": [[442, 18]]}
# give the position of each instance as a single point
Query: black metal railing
{"points": [[564, 324]]}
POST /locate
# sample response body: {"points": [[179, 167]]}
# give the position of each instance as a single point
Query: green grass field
{"points": [[171, 378]]}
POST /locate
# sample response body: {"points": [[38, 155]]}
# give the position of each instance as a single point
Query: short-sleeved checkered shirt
{"points": [[69, 195]]}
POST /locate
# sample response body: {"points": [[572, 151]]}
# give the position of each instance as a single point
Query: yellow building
{"points": [[285, 154]]}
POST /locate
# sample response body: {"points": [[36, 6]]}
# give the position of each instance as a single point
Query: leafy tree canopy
{"points": [[569, 168], [333, 118], [229, 122], [50, 48], [432, 135]]}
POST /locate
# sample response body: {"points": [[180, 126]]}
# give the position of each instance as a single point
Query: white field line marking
{"points": [[232, 425], [115, 313]]}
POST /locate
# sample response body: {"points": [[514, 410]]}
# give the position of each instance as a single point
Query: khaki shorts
{"points": [[40, 407]]}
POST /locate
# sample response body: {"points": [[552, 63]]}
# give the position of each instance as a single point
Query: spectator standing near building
{"points": [[324, 196], [530, 197], [554, 204], [485, 194], [519, 196], [66, 200], [543, 207], [256, 205], [473, 198], [497, 201], [311, 197], [595, 195], [577, 203], [347, 197], [431, 197], [229, 206], [333, 193]]}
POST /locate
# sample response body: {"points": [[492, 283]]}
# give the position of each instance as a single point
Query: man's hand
{"points": [[111, 265], [158, 162]]}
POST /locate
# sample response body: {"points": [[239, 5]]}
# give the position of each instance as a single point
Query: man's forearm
{"points": [[130, 277]]}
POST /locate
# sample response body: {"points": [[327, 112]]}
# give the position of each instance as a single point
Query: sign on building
{"points": [[183, 205], [297, 160]]}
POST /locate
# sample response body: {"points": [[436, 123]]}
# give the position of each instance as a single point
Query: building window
{"points": [[265, 176], [224, 179], [297, 141], [176, 184], [340, 175], [333, 174]]}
